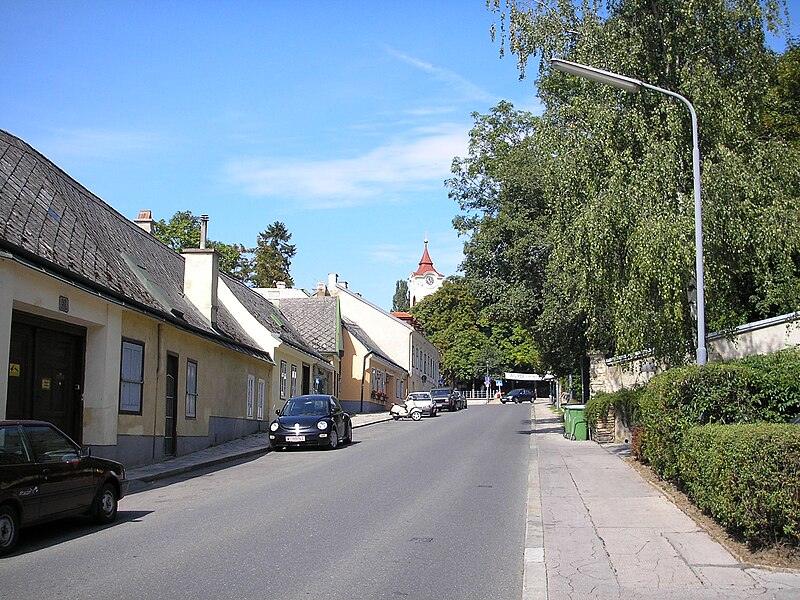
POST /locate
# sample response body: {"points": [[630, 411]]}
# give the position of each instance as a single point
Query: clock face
{"points": [[429, 279]]}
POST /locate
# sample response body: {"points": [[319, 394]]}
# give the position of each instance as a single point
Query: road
{"points": [[433, 509]]}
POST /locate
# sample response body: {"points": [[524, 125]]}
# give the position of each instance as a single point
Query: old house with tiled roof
{"points": [[131, 348]]}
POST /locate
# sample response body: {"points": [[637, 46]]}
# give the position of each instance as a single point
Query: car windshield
{"points": [[297, 407], [440, 393]]}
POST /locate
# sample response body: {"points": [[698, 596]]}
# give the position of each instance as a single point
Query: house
{"points": [[131, 348], [400, 342]]}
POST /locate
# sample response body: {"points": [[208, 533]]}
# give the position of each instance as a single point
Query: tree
{"points": [[603, 180], [273, 256], [183, 231], [400, 301]]}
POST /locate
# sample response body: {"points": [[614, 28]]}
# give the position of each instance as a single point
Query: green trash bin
{"points": [[574, 422]]}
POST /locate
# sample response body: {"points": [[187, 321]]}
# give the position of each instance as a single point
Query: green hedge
{"points": [[747, 477], [625, 403], [688, 396]]}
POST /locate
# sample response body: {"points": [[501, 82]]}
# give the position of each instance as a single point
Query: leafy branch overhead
{"points": [[262, 266], [579, 222]]}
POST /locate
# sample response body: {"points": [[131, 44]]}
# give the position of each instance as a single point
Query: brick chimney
{"points": [[145, 221]]}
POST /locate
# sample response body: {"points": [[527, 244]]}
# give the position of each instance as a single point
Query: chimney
{"points": [[203, 231], [200, 275], [145, 221], [280, 285], [333, 279], [320, 289]]}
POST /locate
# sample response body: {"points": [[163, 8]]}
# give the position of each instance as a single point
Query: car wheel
{"points": [[9, 529], [348, 437], [416, 415], [106, 508], [333, 439]]}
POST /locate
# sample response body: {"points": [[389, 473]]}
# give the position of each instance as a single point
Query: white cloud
{"points": [[465, 88], [421, 160], [101, 143]]}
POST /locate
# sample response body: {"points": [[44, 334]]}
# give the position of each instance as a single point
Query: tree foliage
{"points": [[273, 256], [469, 343], [581, 220], [400, 301], [183, 231]]}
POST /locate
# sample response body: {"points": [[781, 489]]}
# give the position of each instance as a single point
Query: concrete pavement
{"points": [[596, 529]]}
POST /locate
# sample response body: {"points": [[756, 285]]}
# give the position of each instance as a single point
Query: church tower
{"points": [[425, 280]]}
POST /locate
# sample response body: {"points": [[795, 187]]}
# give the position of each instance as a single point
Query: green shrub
{"points": [[775, 377], [747, 477], [687, 396], [625, 403]]}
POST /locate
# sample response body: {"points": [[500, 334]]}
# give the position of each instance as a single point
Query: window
{"points": [[251, 392], [399, 390], [283, 379], [131, 378], [191, 389], [262, 385], [293, 389]]}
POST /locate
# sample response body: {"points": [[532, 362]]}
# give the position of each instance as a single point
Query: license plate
{"points": [[295, 438]]}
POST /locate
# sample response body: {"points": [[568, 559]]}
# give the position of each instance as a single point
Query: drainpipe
{"points": [[363, 376]]}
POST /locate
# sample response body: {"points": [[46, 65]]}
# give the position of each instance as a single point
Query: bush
{"points": [[774, 376], [687, 396], [625, 403], [747, 477]]}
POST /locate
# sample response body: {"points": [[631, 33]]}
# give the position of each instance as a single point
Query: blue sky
{"points": [[338, 118]]}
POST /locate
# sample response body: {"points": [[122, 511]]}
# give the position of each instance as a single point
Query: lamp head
{"points": [[599, 75]]}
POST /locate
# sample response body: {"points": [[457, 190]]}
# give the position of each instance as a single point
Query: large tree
{"points": [[400, 300], [183, 231], [603, 178], [273, 256]]}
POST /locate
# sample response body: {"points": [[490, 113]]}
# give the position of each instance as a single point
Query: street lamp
{"points": [[634, 85]]}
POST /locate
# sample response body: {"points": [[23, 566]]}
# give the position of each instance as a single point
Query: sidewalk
{"points": [[596, 529], [251, 445]]}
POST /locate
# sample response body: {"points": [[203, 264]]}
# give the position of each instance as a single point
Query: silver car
{"points": [[424, 401]]}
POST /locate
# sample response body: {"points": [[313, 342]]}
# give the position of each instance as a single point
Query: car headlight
{"points": [[274, 426], [322, 425]]}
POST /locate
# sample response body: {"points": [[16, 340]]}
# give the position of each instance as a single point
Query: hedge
{"points": [[624, 401], [747, 477], [685, 397]]}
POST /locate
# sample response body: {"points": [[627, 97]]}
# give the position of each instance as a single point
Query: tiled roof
{"points": [[269, 315], [426, 264], [355, 330], [314, 318], [49, 218]]}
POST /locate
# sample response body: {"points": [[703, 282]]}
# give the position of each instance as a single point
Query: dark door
{"points": [[171, 425], [306, 383], [46, 372]]}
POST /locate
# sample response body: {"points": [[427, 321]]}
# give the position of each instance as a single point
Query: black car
{"points": [[445, 398], [313, 420], [44, 475], [518, 395]]}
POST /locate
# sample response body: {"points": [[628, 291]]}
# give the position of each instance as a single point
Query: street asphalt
{"points": [[595, 528]]}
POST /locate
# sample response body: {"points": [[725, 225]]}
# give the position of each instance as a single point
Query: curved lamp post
{"points": [[634, 85]]}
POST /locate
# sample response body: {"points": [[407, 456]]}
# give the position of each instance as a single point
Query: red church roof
{"points": [[426, 264]]}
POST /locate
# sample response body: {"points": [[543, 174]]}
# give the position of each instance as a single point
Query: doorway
{"points": [[46, 372], [171, 422]]}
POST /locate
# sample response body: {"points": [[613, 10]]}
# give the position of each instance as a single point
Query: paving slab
{"points": [[599, 530]]}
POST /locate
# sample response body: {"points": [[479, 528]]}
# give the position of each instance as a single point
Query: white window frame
{"points": [[293, 383], [262, 386], [283, 379], [131, 377], [191, 389], [251, 393]]}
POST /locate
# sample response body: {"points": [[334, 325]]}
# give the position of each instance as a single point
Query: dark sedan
{"points": [[44, 475], [314, 420], [518, 395]]}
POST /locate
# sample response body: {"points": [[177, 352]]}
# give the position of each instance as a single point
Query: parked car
{"points": [[44, 476], [445, 398], [311, 420], [423, 400], [518, 395]]}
